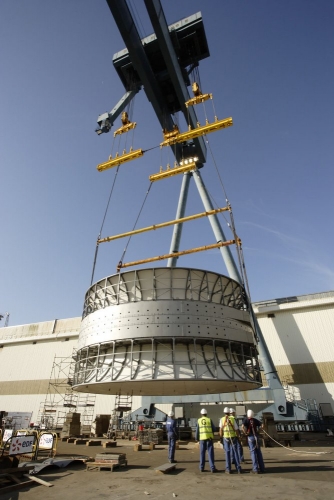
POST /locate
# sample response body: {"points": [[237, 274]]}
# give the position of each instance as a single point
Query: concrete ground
{"points": [[305, 473]]}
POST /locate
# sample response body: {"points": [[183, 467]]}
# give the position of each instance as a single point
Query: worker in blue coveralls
{"points": [[204, 434], [229, 431], [172, 436], [250, 427]]}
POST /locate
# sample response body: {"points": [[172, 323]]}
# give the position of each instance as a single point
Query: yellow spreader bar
{"points": [[177, 254], [169, 172], [114, 162], [163, 224], [125, 128], [200, 130], [198, 99]]}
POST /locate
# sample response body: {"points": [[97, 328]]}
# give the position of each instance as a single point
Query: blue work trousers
{"points": [[240, 452], [171, 445], [231, 453], [206, 445], [255, 453]]}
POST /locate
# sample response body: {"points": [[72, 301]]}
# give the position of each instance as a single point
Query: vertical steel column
{"points": [[266, 359], [269, 368], [216, 227], [176, 238]]}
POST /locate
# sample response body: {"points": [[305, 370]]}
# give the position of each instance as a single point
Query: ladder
{"points": [[118, 424], [87, 402]]}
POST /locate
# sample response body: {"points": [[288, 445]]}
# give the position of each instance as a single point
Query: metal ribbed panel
{"points": [[166, 331]]}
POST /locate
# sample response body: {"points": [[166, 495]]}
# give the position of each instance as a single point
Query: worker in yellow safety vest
{"points": [[204, 434], [229, 432]]}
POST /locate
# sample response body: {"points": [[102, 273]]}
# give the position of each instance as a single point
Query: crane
{"points": [[166, 87]]}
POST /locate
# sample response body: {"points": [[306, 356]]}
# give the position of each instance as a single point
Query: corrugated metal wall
{"points": [[299, 335]]}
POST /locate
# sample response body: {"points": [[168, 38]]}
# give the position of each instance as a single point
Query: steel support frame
{"points": [[216, 228], [180, 212], [112, 365]]}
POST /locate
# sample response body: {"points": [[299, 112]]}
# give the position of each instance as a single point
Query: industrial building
{"points": [[171, 335], [36, 363]]}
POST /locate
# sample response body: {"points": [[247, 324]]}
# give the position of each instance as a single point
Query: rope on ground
{"points": [[298, 451]]}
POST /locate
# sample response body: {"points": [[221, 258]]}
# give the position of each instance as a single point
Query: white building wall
{"points": [[27, 354], [299, 335]]}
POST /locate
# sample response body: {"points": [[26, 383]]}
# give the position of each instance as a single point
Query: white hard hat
{"points": [[203, 411], [250, 413], [171, 414], [231, 410], [226, 410]]}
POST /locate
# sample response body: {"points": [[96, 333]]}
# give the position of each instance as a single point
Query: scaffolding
{"points": [[119, 425], [61, 399]]}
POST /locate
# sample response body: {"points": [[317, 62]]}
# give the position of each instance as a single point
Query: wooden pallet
{"points": [[110, 456], [104, 465]]}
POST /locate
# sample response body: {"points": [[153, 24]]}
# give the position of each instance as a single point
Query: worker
{"points": [[204, 434], [239, 445], [251, 427], [229, 431], [171, 436]]}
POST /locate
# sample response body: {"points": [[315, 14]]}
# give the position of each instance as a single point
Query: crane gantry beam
{"points": [[142, 66], [160, 27]]}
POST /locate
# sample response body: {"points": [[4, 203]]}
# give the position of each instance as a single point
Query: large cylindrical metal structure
{"points": [[166, 331]]}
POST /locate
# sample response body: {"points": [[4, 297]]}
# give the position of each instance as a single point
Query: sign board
{"points": [[178, 410], [21, 444], [21, 433], [20, 420], [7, 434], [45, 441]]}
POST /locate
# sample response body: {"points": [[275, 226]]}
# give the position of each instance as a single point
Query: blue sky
{"points": [[271, 69]]}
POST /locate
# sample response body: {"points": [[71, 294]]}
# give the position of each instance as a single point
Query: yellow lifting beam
{"points": [[199, 96], [169, 172], [124, 157], [198, 99], [126, 125], [164, 224], [200, 130], [177, 254], [169, 134], [125, 128]]}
